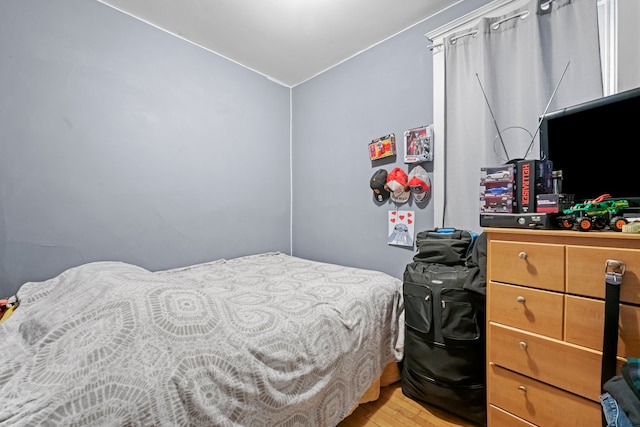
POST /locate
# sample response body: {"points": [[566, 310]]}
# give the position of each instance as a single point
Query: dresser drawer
{"points": [[558, 363], [585, 271], [584, 324], [536, 265], [500, 418], [525, 308], [539, 403]]}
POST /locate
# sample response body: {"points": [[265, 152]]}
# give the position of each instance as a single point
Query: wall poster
{"points": [[401, 228]]}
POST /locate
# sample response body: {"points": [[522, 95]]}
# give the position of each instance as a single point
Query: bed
{"points": [[261, 340]]}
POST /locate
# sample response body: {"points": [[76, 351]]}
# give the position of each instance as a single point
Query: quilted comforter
{"points": [[263, 340]]}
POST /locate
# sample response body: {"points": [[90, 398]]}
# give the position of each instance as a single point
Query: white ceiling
{"points": [[289, 41]]}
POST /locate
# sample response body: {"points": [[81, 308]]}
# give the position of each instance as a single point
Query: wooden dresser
{"points": [[545, 320]]}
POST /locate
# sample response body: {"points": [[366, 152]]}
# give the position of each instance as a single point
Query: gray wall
{"points": [[121, 142], [386, 89]]}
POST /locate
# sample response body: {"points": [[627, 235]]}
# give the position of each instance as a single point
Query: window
{"points": [[619, 26]]}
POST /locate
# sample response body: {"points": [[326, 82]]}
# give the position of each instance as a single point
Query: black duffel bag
{"points": [[444, 352]]}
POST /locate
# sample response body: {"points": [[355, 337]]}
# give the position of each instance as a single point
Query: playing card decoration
{"points": [[401, 228]]}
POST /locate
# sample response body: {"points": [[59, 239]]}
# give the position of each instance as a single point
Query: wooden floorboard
{"points": [[394, 409]]}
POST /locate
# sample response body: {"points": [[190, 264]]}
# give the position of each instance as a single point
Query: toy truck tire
{"points": [[567, 223], [599, 223], [585, 224], [617, 223]]}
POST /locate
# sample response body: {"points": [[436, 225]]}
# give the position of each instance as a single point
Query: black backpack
{"points": [[447, 246]]}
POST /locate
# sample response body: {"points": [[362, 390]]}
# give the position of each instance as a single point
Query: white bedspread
{"points": [[263, 340]]}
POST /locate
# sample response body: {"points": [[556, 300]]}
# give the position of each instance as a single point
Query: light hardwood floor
{"points": [[394, 409]]}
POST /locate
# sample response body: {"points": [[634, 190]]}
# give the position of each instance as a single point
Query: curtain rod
{"points": [[464, 20], [521, 15], [474, 33], [477, 14]]}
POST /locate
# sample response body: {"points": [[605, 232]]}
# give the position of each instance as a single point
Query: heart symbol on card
{"points": [[409, 215], [392, 220], [393, 212], [401, 217], [409, 221]]}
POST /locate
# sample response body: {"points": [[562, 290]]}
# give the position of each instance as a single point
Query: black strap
{"points": [[613, 277]]}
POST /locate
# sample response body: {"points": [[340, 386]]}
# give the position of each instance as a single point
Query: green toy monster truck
{"points": [[600, 213]]}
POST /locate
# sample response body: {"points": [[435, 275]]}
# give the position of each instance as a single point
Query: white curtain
{"points": [[500, 76]]}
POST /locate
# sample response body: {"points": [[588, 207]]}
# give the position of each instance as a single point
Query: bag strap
{"points": [[613, 278]]}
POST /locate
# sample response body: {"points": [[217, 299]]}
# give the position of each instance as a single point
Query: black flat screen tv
{"points": [[595, 144]]}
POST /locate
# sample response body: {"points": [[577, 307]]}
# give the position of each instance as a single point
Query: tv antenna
{"points": [[533, 138], [546, 109], [504, 147]]}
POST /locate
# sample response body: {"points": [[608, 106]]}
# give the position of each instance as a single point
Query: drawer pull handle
{"points": [[521, 299], [522, 255], [522, 388], [523, 345]]}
